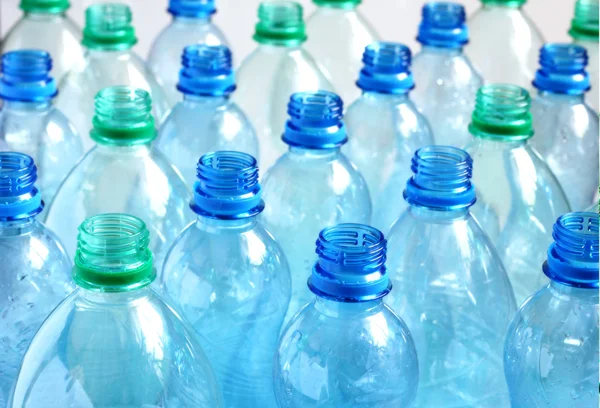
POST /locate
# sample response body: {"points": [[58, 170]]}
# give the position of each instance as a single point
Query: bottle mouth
{"points": [[280, 23], [227, 186], [386, 69], [351, 264], [108, 27], [585, 22], [192, 8], [573, 257], [19, 198], [562, 69], [26, 76], [44, 6], [443, 25], [206, 71]]}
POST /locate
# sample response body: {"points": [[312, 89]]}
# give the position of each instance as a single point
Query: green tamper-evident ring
{"points": [[44, 6], [584, 25]]}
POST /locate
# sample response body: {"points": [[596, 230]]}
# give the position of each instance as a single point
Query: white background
{"points": [[395, 20]]}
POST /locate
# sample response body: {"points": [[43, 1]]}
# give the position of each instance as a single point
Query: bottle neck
{"points": [[561, 98], [16, 228], [497, 144], [219, 225], [26, 106], [503, 5], [343, 310], [44, 15], [124, 149], [437, 215], [276, 48], [205, 100], [114, 298], [387, 97], [190, 21], [101, 53], [566, 292], [313, 153], [443, 51]]}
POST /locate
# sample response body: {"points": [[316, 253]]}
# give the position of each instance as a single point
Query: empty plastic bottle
{"points": [[347, 348], [446, 80], [206, 120], [584, 31], [551, 352], [123, 173], [272, 72], [30, 123], [504, 42], [109, 61], [191, 24], [312, 186], [446, 275], [46, 26], [34, 269], [337, 36], [518, 196], [566, 127], [227, 256], [114, 342], [385, 128]]}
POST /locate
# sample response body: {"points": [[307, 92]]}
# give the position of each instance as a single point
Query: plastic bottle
{"points": [[567, 128], [312, 186], [229, 257], [46, 26], [385, 128], [446, 80], [123, 173], [347, 348], [34, 269], [504, 42], [446, 275], [30, 123], [518, 196], [109, 61], [278, 67], [206, 120], [191, 24], [114, 342], [551, 351], [337, 36], [584, 31]]}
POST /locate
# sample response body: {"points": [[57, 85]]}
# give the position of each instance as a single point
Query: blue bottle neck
{"points": [[197, 100], [213, 225], [561, 98], [21, 106], [395, 99], [17, 227], [308, 153], [187, 20], [343, 310], [572, 293], [437, 215], [442, 51]]}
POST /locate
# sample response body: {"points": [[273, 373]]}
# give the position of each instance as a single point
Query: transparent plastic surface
{"points": [[201, 124], [231, 281], [266, 80], [446, 85], [136, 180], [100, 70], [305, 191], [124, 349], [164, 58], [504, 44], [36, 275], [593, 50], [551, 352], [446, 273], [518, 200], [55, 33], [336, 354], [44, 133], [384, 130], [567, 139], [337, 38]]}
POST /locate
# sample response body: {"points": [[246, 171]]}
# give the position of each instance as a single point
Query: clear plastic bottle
{"points": [[275, 70], [566, 127], [385, 128], [446, 80], [347, 348], [206, 120], [585, 32], [312, 186], [227, 256], [123, 173], [504, 42], [34, 269], [337, 36], [446, 274], [191, 24], [29, 122], [109, 61], [114, 342], [46, 26], [518, 196], [551, 351]]}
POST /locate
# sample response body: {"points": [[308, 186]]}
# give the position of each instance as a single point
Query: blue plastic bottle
{"points": [[191, 24], [230, 279], [551, 351], [206, 120], [566, 127], [311, 186], [347, 348], [446, 80], [30, 123], [34, 269], [385, 128], [447, 275]]}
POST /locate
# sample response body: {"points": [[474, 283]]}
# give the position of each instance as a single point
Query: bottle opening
{"points": [[19, 199], [44, 6], [26, 76], [206, 71], [443, 25], [562, 69], [386, 68], [192, 8], [108, 27], [280, 23], [584, 25]]}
